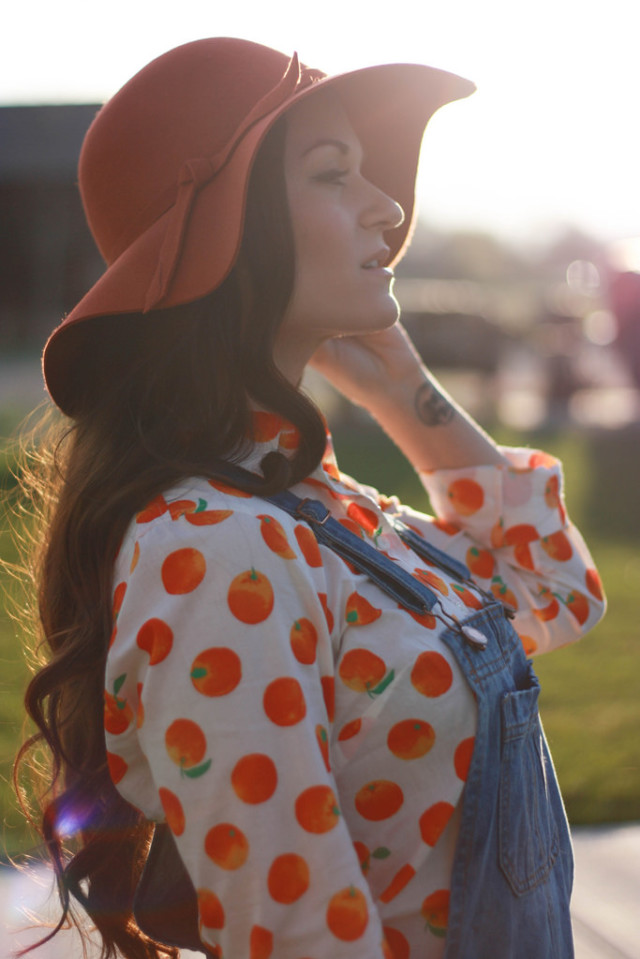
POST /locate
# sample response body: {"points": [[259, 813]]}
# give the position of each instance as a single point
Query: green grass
{"points": [[591, 691]]}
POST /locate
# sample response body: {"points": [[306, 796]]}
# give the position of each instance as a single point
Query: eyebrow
{"points": [[343, 147]]}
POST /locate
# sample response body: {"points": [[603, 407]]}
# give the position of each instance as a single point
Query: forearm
{"points": [[429, 427]]}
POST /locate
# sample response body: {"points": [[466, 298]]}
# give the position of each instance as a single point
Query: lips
{"points": [[378, 259]]}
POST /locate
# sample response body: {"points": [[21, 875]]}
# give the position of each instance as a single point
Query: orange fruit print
{"points": [[327, 612], [208, 517], [323, 743], [557, 546], [183, 571], [173, 811], [118, 597], [349, 730], [179, 507], [260, 943], [364, 856], [397, 943], [468, 598], [304, 639], [156, 638], [254, 778], [435, 910], [229, 490], [347, 914], [411, 739], [329, 695], [466, 496], [153, 509], [364, 517], [431, 579], [283, 701], [431, 674], [317, 809], [265, 426], [480, 562], [462, 758], [216, 671], [117, 714], [186, 745], [397, 884], [578, 604], [308, 545], [502, 592], [227, 846], [359, 611], [433, 822], [520, 535], [210, 909], [528, 644], [288, 878], [362, 671], [552, 607], [425, 619], [275, 537], [594, 583], [379, 799], [250, 597], [117, 767]]}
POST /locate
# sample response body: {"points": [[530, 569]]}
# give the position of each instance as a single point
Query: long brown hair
{"points": [[170, 397]]}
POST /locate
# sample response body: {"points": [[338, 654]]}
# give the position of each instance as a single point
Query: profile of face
{"points": [[338, 219]]}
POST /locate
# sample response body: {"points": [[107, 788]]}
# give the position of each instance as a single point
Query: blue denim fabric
{"points": [[513, 867]]}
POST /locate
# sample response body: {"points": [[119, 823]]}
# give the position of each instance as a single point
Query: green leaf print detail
{"points": [[197, 771], [436, 931], [380, 688], [118, 684], [381, 852], [202, 505], [199, 672]]}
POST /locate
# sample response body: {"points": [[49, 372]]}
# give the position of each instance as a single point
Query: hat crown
{"points": [[186, 104]]}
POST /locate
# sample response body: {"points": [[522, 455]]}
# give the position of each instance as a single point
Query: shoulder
{"points": [[206, 525]]}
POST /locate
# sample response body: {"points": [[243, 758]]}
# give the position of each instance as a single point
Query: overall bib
{"points": [[513, 866]]}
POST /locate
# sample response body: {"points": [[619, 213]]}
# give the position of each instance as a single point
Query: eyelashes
{"points": [[333, 176]]}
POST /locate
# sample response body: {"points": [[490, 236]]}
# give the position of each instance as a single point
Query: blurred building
{"points": [[47, 257]]}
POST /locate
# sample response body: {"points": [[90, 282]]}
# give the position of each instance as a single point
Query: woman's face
{"points": [[338, 219]]}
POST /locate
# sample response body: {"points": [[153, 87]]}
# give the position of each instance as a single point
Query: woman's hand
{"points": [[364, 368], [384, 373]]}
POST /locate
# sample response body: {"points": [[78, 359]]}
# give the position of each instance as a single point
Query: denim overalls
{"points": [[513, 866]]}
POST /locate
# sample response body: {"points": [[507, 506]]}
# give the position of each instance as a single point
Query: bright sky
{"points": [[550, 139]]}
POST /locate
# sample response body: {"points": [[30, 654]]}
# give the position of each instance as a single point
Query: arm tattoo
{"points": [[431, 406]]}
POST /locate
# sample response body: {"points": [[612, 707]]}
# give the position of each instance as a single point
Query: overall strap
{"points": [[391, 578], [396, 582]]}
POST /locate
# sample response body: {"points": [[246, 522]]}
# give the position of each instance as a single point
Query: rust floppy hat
{"points": [[165, 165]]}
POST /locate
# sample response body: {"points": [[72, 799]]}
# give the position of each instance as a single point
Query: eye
{"points": [[333, 176]]}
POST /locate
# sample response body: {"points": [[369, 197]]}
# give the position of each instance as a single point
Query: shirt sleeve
{"points": [[218, 713], [510, 526]]}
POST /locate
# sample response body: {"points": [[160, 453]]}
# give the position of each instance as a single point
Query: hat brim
{"points": [[389, 107]]}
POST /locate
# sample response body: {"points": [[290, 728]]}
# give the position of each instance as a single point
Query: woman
{"points": [[350, 763]]}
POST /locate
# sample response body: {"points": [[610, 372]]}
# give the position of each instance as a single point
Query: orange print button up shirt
{"points": [[305, 738]]}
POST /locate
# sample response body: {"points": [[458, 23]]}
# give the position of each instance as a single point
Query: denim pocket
{"points": [[528, 834]]}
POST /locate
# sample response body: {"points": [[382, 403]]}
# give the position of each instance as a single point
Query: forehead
{"points": [[316, 118]]}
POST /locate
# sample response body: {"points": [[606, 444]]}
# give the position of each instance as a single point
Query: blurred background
{"points": [[521, 288]]}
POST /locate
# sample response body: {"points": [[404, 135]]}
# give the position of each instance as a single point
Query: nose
{"points": [[380, 210]]}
